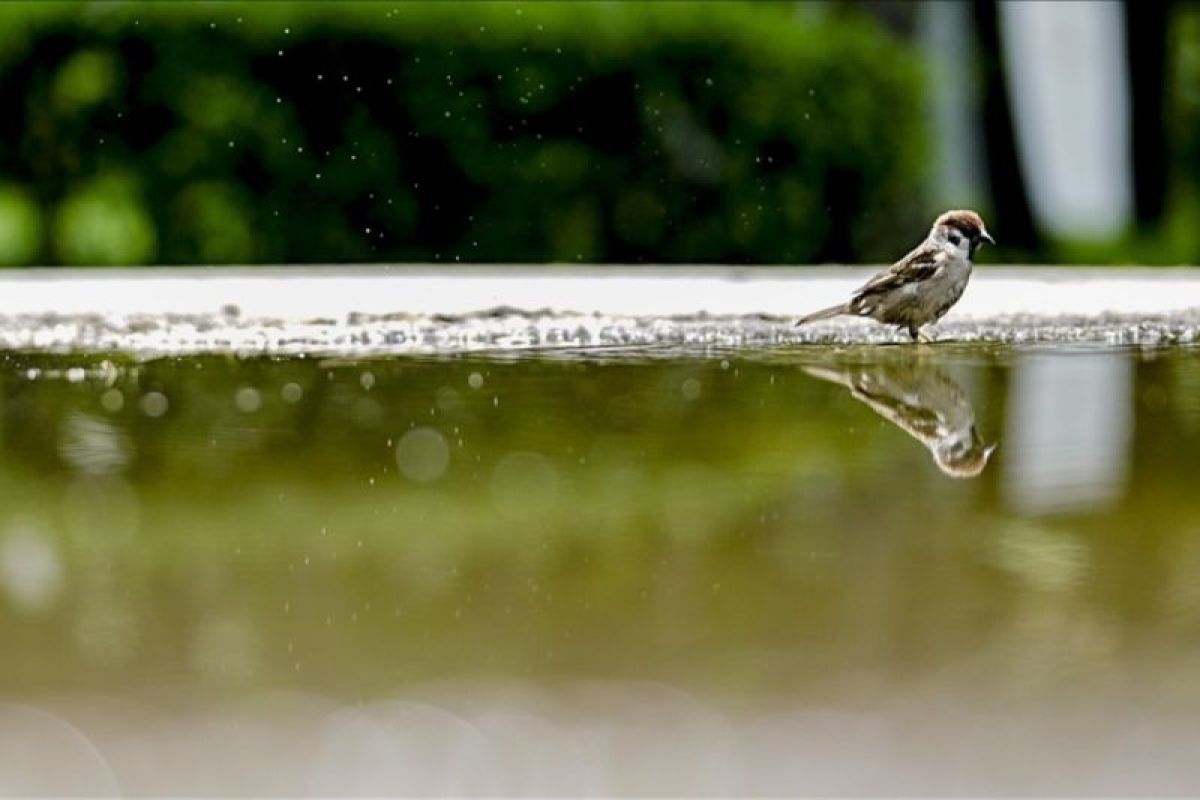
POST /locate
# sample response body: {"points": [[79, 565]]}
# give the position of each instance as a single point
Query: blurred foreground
{"points": [[725, 572]]}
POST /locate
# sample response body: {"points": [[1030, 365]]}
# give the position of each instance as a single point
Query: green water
{"points": [[752, 528]]}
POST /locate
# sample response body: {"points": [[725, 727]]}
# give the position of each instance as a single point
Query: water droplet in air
{"points": [[247, 399], [422, 455], [154, 404], [112, 400]]}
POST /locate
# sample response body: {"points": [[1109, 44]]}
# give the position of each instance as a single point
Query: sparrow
{"points": [[921, 287], [924, 402]]}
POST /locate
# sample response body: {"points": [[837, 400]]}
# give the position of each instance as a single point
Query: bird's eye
{"points": [[954, 239]]}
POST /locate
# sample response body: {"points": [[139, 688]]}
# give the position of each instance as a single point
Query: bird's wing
{"points": [[922, 423], [898, 404], [903, 409], [918, 265]]}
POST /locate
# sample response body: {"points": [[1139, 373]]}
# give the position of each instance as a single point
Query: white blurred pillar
{"points": [[1068, 432], [1069, 90]]}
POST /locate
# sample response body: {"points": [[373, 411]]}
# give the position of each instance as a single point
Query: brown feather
{"points": [[918, 265], [825, 313]]}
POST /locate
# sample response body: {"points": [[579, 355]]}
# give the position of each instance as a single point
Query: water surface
{"points": [[618, 570]]}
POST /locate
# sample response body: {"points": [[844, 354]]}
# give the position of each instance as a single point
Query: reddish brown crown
{"points": [[968, 222]]}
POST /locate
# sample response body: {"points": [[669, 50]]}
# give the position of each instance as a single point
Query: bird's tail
{"points": [[825, 313]]}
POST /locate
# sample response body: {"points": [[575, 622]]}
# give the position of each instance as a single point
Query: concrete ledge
{"points": [[357, 309]]}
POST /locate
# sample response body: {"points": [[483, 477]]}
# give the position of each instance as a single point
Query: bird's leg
{"points": [[914, 332], [927, 338]]}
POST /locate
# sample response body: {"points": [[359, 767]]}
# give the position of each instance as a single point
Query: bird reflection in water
{"points": [[924, 402]]}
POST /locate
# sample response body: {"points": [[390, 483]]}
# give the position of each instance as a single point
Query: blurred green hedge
{"points": [[513, 132]]}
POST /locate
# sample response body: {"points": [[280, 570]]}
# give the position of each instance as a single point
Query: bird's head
{"points": [[961, 230], [963, 460]]}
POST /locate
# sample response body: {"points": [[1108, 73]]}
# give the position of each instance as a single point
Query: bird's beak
{"points": [[987, 237]]}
